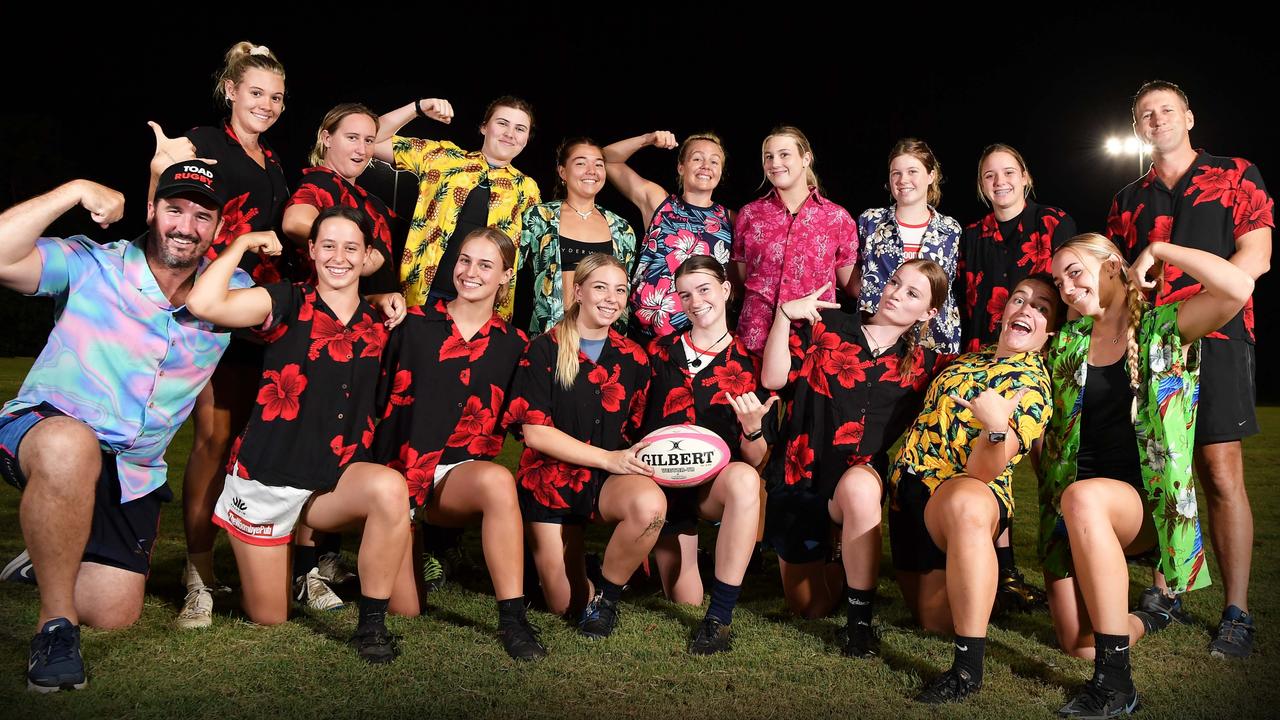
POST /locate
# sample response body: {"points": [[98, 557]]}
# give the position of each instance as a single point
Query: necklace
{"points": [[697, 360], [579, 213], [876, 346]]}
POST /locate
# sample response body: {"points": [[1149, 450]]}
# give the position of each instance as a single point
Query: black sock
{"points": [[859, 604], [1004, 558], [611, 590], [512, 609], [969, 654], [724, 597], [373, 611], [304, 559], [1111, 661]]}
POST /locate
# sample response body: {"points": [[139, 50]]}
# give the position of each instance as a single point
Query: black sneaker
{"points": [[951, 686], [711, 637], [520, 639], [375, 644], [19, 570], [1235, 635], [861, 641], [599, 618], [1095, 702], [1015, 593], [56, 663], [1157, 611]]}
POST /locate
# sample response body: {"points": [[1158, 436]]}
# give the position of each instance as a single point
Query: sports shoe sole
{"points": [[12, 571], [46, 689]]}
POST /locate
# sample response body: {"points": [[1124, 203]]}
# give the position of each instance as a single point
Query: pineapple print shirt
{"points": [[1169, 376], [446, 174]]}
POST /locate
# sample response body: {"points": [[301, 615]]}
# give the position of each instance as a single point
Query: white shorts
{"points": [[441, 471], [259, 514]]}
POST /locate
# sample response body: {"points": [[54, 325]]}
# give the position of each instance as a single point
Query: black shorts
{"points": [[797, 524], [682, 509], [1227, 392], [122, 535], [909, 541]]}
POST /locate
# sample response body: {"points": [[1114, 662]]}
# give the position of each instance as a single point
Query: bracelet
{"points": [[417, 104], [784, 314], [753, 436]]}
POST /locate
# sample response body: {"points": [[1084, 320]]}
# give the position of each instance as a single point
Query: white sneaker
{"points": [[330, 567], [197, 609], [191, 578], [313, 592]]}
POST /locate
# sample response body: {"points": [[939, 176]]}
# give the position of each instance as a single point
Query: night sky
{"points": [[77, 97]]}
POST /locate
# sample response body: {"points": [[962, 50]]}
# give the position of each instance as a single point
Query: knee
{"points": [[858, 494], [115, 616], [64, 449], [388, 492], [263, 616], [969, 510], [742, 485], [648, 506], [496, 487], [1079, 502]]}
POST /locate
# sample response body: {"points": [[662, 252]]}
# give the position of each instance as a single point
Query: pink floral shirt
{"points": [[788, 256]]}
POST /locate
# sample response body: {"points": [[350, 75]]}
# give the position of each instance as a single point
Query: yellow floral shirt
{"points": [[446, 174], [937, 445]]}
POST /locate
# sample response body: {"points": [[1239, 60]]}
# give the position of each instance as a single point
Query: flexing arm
{"points": [[550, 441], [390, 124], [21, 225], [1227, 286], [212, 298], [644, 194]]}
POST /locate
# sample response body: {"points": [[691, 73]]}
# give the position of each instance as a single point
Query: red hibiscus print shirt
{"points": [[323, 188]]}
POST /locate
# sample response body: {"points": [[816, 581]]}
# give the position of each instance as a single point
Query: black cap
{"points": [[189, 177]]}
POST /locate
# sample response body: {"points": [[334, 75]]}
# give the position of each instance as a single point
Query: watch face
{"points": [[996, 437]]}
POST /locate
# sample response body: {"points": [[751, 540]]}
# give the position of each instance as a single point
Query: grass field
{"points": [[453, 666]]}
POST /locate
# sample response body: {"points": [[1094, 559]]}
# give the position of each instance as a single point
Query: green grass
{"points": [[453, 666]]}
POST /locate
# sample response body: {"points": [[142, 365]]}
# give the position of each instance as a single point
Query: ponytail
{"points": [[567, 336]]}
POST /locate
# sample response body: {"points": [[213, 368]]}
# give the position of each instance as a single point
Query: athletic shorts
{"points": [[1227, 392], [123, 535], [798, 523], [909, 541], [259, 514]]}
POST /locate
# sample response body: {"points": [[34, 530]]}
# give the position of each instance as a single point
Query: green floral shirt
{"points": [[540, 245], [1165, 427]]}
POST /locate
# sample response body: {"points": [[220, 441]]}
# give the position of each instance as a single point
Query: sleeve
{"points": [[1032, 414], [533, 196], [286, 305], [741, 227], [1254, 207], [532, 227], [1065, 230], [961, 282], [60, 261], [1120, 228], [627, 245], [800, 346], [847, 242], [412, 153], [203, 138], [532, 393], [631, 431], [312, 191], [394, 383]]}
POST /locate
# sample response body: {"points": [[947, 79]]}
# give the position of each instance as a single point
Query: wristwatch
{"points": [[997, 437], [753, 436]]}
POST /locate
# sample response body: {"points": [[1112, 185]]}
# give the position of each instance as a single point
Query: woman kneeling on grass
{"points": [[579, 391], [303, 456], [1116, 471], [857, 381], [705, 376], [950, 487], [449, 368]]}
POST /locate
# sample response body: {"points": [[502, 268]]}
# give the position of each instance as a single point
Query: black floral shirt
{"points": [[992, 265], [442, 394], [255, 198], [323, 188], [315, 407], [603, 409], [680, 397], [847, 406], [1216, 201]]}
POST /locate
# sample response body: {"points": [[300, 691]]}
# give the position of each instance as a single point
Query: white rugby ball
{"points": [[684, 455]]}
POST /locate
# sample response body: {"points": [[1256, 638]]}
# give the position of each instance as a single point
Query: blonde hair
{"points": [[919, 150], [1103, 250], [939, 285], [241, 57], [1017, 157], [687, 146], [567, 337], [802, 144], [332, 120]]}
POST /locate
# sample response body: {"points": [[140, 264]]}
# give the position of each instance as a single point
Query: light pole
{"points": [[1129, 146]]}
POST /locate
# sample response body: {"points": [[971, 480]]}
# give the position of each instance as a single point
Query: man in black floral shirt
{"points": [[1219, 205]]}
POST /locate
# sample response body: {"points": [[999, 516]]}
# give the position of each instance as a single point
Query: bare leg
{"points": [[856, 507], [734, 499], [407, 594], [677, 557], [559, 556], [639, 508], [221, 412], [925, 595], [264, 581], [811, 589], [486, 491], [1221, 470], [108, 597], [962, 517], [61, 460], [377, 497]]}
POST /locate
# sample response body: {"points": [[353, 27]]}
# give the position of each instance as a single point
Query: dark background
{"points": [[1054, 84]]}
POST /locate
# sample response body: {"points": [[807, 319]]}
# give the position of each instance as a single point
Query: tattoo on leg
{"points": [[655, 525]]}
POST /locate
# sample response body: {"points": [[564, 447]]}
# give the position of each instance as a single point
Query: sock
{"points": [[512, 609], [724, 597], [1111, 661], [373, 611], [611, 590], [859, 604], [1004, 558], [304, 559], [199, 569], [969, 654]]}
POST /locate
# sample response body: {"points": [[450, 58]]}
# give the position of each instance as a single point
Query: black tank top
{"points": [[1108, 442], [572, 251]]}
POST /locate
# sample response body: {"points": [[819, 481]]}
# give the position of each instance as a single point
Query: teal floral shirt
{"points": [[1165, 426], [540, 245]]}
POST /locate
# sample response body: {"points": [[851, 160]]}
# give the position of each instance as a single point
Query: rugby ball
{"points": [[684, 455]]}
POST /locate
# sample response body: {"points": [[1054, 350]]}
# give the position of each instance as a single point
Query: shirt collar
{"points": [[137, 272], [814, 195]]}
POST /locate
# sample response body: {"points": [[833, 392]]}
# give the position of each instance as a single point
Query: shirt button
{"points": [[597, 421], [173, 343], [161, 373], [459, 404], [348, 356], [344, 386], [151, 404], [339, 416]]}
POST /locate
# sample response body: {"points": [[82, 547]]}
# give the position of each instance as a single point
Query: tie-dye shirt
{"points": [[120, 358]]}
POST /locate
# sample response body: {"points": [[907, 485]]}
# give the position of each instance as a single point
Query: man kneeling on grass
{"points": [[85, 439]]}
